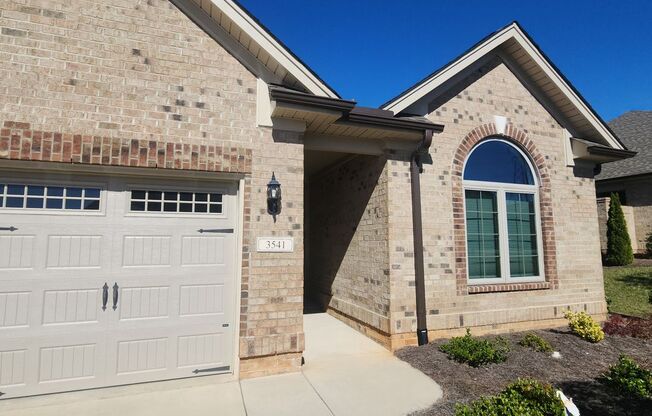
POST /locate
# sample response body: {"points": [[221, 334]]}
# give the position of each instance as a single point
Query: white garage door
{"points": [[113, 281]]}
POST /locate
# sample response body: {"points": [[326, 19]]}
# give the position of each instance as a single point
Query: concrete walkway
{"points": [[345, 374]]}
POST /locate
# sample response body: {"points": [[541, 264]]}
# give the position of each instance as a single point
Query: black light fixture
{"points": [[274, 197]]}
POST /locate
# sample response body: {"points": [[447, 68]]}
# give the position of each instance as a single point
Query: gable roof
{"points": [[635, 130], [245, 37], [519, 52]]}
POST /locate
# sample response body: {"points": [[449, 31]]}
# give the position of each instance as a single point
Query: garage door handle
{"points": [[216, 230], [12, 228], [115, 296], [105, 295]]}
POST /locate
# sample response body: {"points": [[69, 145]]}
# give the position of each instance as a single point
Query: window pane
{"points": [[137, 206], [53, 203], [216, 197], [92, 204], [482, 234], [74, 192], [171, 196], [14, 202], [15, 189], [492, 267], [73, 203], [521, 224], [153, 206], [55, 191], [34, 202], [185, 207], [35, 190], [201, 197], [474, 245], [497, 161], [170, 206], [137, 194], [185, 196], [216, 209], [475, 267], [155, 195], [201, 208], [92, 193]]}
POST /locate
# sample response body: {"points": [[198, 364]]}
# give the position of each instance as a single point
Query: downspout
{"points": [[417, 232]]}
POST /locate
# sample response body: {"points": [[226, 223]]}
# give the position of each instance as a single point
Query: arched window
{"points": [[503, 232]]}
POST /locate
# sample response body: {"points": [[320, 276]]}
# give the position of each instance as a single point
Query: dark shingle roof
{"points": [[634, 129]]}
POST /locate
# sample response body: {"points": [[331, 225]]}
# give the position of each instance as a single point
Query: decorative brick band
{"points": [[521, 139], [508, 287], [19, 142]]}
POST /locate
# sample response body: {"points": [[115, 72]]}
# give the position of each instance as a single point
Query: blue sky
{"points": [[371, 50]]}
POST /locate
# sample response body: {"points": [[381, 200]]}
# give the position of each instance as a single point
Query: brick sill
{"points": [[507, 287]]}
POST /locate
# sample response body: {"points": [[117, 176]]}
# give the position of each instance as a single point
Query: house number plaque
{"points": [[275, 244]]}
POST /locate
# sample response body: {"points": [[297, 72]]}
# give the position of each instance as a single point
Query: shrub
{"points": [[535, 342], [524, 397], [628, 326], [476, 352], [584, 326], [629, 378], [648, 244], [619, 245]]}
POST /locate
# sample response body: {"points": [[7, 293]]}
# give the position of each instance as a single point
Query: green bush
{"points": [[619, 245], [476, 352], [648, 244], [524, 397], [629, 378], [582, 325], [535, 342]]}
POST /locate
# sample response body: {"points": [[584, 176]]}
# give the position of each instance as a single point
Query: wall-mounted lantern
{"points": [[274, 197]]}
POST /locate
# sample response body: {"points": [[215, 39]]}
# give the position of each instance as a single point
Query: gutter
{"points": [[610, 152], [417, 233], [596, 153], [287, 96], [350, 114]]}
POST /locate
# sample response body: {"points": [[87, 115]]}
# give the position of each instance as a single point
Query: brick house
{"points": [[137, 239], [631, 179]]}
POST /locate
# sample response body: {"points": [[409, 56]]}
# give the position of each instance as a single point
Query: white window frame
{"points": [[217, 189], [31, 181], [501, 189]]}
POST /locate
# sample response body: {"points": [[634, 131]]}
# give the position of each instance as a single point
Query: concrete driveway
{"points": [[345, 374]]}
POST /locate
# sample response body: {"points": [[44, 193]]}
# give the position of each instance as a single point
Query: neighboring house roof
{"points": [[519, 52], [634, 129], [232, 26]]}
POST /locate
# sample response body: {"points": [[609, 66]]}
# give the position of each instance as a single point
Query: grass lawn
{"points": [[628, 289]]}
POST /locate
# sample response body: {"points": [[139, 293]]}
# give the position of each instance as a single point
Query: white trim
{"points": [[510, 32], [239, 238], [501, 189], [274, 48]]}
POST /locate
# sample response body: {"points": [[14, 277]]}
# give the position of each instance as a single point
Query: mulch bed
{"points": [[575, 373]]}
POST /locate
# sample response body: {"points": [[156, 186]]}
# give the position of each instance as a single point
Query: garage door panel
{"points": [[14, 309], [50, 363], [17, 252], [207, 299], [74, 251], [175, 285], [144, 302], [147, 251]]}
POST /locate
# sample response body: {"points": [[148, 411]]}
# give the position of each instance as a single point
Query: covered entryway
{"points": [[114, 280]]}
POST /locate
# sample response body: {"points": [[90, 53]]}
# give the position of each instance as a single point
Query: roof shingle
{"points": [[634, 129]]}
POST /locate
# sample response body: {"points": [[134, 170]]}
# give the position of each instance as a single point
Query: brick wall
{"points": [[134, 82], [574, 254], [348, 268], [639, 202]]}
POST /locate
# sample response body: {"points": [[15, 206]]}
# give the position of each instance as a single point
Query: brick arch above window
{"points": [[520, 138]]}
